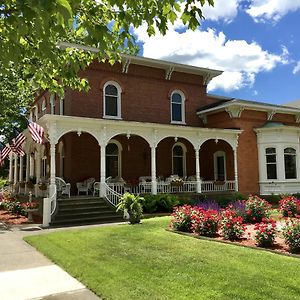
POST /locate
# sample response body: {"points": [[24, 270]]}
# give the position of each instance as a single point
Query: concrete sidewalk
{"points": [[27, 274]]}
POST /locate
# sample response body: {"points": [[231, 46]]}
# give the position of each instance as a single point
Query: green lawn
{"points": [[147, 262]]}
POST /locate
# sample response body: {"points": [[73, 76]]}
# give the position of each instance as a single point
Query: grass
{"points": [[147, 262]]}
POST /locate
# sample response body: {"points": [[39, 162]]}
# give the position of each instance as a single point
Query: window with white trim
{"points": [[271, 163], [220, 165], [290, 166], [179, 160], [113, 159], [177, 107], [44, 106], [112, 100]]}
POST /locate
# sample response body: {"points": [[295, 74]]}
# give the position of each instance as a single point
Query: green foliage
{"points": [[3, 182], [131, 204], [32, 33], [160, 203]]}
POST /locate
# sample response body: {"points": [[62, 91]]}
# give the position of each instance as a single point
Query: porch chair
{"points": [[62, 187], [85, 186], [97, 185]]}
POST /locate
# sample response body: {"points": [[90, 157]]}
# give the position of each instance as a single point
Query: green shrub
{"points": [[3, 182], [291, 233], [131, 204], [160, 203]]}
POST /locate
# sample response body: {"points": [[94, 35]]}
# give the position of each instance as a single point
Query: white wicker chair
{"points": [[62, 187], [85, 186]]}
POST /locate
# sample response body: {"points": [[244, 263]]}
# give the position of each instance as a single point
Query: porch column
{"points": [[21, 174], [52, 186], [198, 180], [235, 169], [153, 170], [15, 169], [10, 175], [27, 170], [37, 171], [102, 192]]}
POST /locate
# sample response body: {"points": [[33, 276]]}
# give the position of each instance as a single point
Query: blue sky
{"points": [[256, 43]]}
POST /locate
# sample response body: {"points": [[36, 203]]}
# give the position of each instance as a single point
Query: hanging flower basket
{"points": [[43, 186], [177, 182], [22, 184], [30, 185]]}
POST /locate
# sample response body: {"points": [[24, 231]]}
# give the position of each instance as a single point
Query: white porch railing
{"points": [[215, 186], [113, 196], [53, 200]]}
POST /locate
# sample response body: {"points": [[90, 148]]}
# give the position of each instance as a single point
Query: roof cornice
{"points": [[169, 67]]}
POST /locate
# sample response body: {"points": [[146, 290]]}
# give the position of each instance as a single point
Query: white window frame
{"points": [[120, 149], [277, 162], [296, 158], [182, 107], [216, 155], [119, 89], [44, 107], [184, 150]]}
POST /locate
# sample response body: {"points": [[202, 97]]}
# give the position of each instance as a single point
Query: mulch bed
{"points": [[248, 241], [10, 219]]}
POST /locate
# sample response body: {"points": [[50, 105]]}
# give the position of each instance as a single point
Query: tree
{"points": [[31, 32]]}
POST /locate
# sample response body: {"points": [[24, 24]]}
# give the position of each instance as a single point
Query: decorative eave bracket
{"points": [[207, 78], [297, 118], [234, 111], [125, 65], [270, 115], [169, 73], [203, 117]]}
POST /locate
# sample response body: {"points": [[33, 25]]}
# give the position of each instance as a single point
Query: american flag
{"points": [[36, 131], [4, 152], [17, 142]]}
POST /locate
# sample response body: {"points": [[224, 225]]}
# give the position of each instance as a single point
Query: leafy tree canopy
{"points": [[31, 32]]}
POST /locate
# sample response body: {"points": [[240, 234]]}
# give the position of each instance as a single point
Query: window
{"points": [[52, 104], [271, 163], [178, 160], [220, 165], [177, 107], [113, 159], [44, 106], [290, 163], [112, 100]]}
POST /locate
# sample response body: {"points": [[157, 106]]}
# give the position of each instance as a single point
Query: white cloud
{"points": [[273, 10], [222, 10], [240, 60], [296, 68]]}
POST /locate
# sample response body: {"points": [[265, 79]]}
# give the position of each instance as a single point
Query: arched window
{"points": [[290, 165], [44, 106], [177, 107], [271, 163], [220, 166], [113, 159], [112, 100], [179, 159]]}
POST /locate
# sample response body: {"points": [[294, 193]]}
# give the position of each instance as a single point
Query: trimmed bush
{"points": [[205, 222], [291, 233], [232, 226], [159, 203], [256, 209], [265, 233], [289, 206]]}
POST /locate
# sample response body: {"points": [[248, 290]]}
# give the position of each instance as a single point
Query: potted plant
{"points": [[30, 207], [177, 182], [31, 182], [131, 206]]}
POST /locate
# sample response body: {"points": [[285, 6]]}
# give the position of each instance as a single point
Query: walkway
{"points": [[27, 274]]}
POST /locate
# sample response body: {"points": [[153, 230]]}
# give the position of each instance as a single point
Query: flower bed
{"points": [[235, 224]]}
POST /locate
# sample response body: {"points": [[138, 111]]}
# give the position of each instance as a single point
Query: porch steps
{"points": [[83, 211]]}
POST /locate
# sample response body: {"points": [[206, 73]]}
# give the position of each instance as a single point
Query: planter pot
{"points": [[176, 183], [30, 185], [30, 212]]}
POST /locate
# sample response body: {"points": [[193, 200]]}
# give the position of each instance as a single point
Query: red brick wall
{"points": [[247, 148]]}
